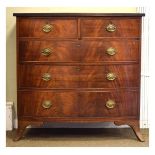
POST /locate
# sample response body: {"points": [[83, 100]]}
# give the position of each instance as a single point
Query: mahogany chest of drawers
{"points": [[78, 68]]}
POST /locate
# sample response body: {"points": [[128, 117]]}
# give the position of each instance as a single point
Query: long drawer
{"points": [[120, 103], [79, 51], [110, 27], [106, 76], [47, 27]]}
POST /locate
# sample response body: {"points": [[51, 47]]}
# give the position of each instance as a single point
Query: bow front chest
{"points": [[78, 68]]}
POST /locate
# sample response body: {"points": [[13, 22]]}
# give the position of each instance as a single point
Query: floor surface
{"points": [[78, 137]]}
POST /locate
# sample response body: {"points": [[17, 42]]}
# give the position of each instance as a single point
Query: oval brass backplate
{"points": [[111, 51], [110, 104], [46, 77], [46, 104], [111, 76], [48, 28], [111, 28], [46, 51]]}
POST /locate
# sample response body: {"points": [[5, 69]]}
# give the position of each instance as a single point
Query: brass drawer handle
{"points": [[46, 104], [111, 51], [111, 76], [46, 77], [111, 28], [47, 28], [110, 104], [46, 51]]}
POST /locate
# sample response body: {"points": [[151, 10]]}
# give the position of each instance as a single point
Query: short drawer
{"points": [[107, 76], [49, 51], [119, 103], [47, 27], [110, 27]]}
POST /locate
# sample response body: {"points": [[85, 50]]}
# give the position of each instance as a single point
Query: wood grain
{"points": [[78, 76], [96, 50], [79, 51], [61, 51], [78, 104], [32, 27], [125, 27]]}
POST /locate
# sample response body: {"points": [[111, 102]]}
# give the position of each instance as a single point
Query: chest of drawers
{"points": [[78, 68]]}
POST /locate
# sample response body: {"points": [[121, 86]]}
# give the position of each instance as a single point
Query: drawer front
{"points": [[50, 51], [78, 104], [82, 51], [107, 76], [47, 27], [110, 50], [110, 27]]}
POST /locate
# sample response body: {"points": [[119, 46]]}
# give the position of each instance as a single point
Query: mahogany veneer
{"points": [[67, 104], [63, 27], [79, 50], [78, 68], [72, 76], [126, 27]]}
